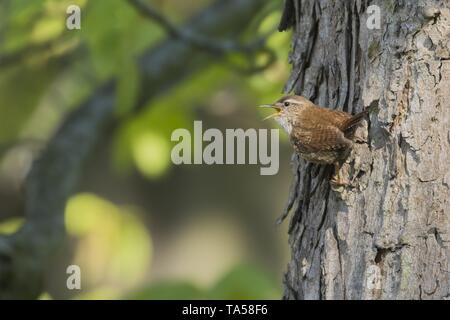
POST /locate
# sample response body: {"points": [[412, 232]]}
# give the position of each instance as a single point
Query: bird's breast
{"points": [[285, 124]]}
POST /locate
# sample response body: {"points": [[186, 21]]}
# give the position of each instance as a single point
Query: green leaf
{"points": [[245, 282], [145, 140], [115, 34], [11, 225], [127, 89], [114, 246], [20, 19], [20, 91]]}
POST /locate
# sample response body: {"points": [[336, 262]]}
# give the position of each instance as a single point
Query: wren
{"points": [[318, 134]]}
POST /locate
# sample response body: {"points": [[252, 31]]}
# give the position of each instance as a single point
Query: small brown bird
{"points": [[319, 135]]}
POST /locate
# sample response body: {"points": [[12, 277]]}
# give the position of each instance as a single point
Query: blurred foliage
{"points": [[241, 283], [114, 253], [245, 282], [168, 290], [114, 247], [45, 296], [11, 225], [51, 71], [114, 35]]}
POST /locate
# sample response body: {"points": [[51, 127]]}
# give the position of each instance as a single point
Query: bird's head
{"points": [[287, 108]]}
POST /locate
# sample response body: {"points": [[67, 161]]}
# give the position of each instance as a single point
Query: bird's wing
{"points": [[323, 116], [319, 138], [334, 118]]}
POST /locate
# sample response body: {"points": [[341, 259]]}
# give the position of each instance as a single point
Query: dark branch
{"points": [[210, 44], [43, 48], [200, 41]]}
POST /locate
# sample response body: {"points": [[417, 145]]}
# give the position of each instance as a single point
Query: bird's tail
{"points": [[353, 121]]}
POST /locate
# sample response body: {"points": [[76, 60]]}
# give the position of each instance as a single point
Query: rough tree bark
{"points": [[387, 234]]}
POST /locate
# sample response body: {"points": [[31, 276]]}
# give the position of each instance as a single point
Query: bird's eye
{"points": [[286, 104]]}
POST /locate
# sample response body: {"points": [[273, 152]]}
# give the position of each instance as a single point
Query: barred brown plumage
{"points": [[318, 134]]}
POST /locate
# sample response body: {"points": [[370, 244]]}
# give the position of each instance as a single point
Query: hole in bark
{"points": [[437, 236], [381, 253], [360, 174]]}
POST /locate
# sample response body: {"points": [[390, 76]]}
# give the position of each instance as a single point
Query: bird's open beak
{"points": [[273, 107]]}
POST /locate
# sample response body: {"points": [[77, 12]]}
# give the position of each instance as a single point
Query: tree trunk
{"points": [[387, 234]]}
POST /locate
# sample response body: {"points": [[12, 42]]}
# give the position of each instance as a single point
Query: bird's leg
{"points": [[337, 179]]}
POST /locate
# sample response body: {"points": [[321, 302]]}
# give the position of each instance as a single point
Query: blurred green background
{"points": [[138, 226]]}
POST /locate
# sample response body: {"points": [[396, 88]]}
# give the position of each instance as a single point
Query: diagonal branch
{"points": [[196, 39], [48, 48], [209, 44]]}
